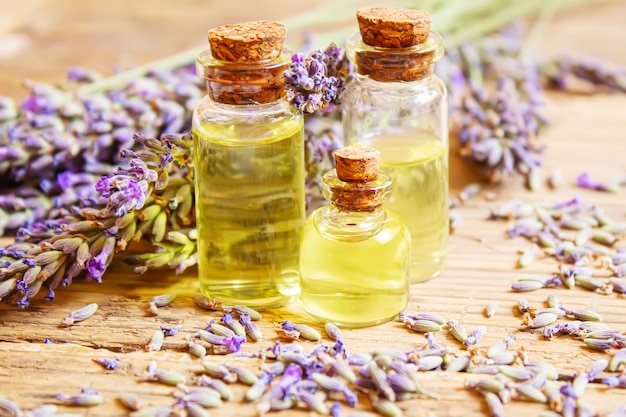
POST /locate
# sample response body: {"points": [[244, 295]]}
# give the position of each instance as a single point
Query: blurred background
{"points": [[42, 39]]}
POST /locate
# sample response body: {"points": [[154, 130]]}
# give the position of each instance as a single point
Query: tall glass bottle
{"points": [[356, 254], [249, 162], [397, 105]]}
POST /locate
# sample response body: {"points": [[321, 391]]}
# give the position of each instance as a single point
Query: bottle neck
{"points": [[337, 223], [395, 64], [243, 83]]}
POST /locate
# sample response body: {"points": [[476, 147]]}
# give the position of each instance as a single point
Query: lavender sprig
{"points": [[143, 199]]}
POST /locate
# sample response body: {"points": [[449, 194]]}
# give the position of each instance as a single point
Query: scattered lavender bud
{"points": [[555, 179], [9, 408], [530, 392], [486, 385], [387, 408], [457, 331], [552, 301], [244, 375], [527, 286], [552, 310], [305, 331], [393, 353], [459, 364], [483, 369], [335, 409], [156, 342], [494, 405], [251, 329], [220, 330], [81, 400], [379, 378], [516, 373], [617, 360], [196, 349], [129, 400], [475, 336], [584, 181], [528, 255], [108, 364], [421, 316], [543, 320], [80, 314], [203, 396], [359, 359], [469, 191], [491, 308], [234, 325], [205, 303], [218, 385], [423, 326], [599, 344], [314, 403], [195, 410], [46, 410], [160, 301], [254, 315], [332, 331], [584, 315]]}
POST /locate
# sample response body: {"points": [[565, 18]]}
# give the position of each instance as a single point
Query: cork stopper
{"points": [[357, 164], [393, 28], [247, 42]]}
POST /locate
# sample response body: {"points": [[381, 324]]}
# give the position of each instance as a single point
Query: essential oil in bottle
{"points": [[355, 254], [396, 104], [249, 162]]}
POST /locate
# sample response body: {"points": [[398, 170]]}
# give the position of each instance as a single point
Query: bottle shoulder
{"points": [[355, 228], [361, 86]]}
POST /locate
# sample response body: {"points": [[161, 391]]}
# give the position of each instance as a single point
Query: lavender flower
{"points": [[315, 82]]}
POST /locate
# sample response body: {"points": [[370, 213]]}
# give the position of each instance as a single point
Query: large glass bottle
{"points": [[249, 162], [397, 105], [356, 254]]}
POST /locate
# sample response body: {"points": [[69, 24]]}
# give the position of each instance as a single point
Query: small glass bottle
{"points": [[249, 169], [355, 254], [397, 105]]}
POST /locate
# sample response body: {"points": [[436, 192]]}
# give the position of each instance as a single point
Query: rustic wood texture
{"points": [[587, 134]]}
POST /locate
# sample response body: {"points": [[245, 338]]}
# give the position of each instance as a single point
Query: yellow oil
{"points": [[250, 211], [418, 164], [351, 281]]}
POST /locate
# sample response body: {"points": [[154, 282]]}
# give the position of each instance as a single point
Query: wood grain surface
{"points": [[588, 134]]}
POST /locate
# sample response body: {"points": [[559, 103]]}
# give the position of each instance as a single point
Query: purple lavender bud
{"points": [[171, 331], [108, 364]]}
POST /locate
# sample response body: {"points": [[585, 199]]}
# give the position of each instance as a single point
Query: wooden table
{"points": [[587, 135]]}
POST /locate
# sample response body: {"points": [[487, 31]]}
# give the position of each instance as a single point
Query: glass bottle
{"points": [[249, 169], [356, 254], [397, 105]]}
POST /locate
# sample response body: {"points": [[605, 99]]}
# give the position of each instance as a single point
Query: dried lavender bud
{"points": [[552, 301], [160, 301], [155, 342], [530, 392], [254, 315], [81, 400], [129, 400], [599, 344], [617, 360], [332, 331], [196, 349], [494, 405], [516, 373], [9, 408], [387, 408], [250, 328], [584, 315], [457, 331], [423, 326], [527, 286], [244, 375], [220, 330], [314, 403], [475, 336], [552, 310], [305, 331], [80, 314], [234, 325], [459, 364], [379, 378], [203, 396], [195, 410], [218, 385], [108, 364], [491, 308]]}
